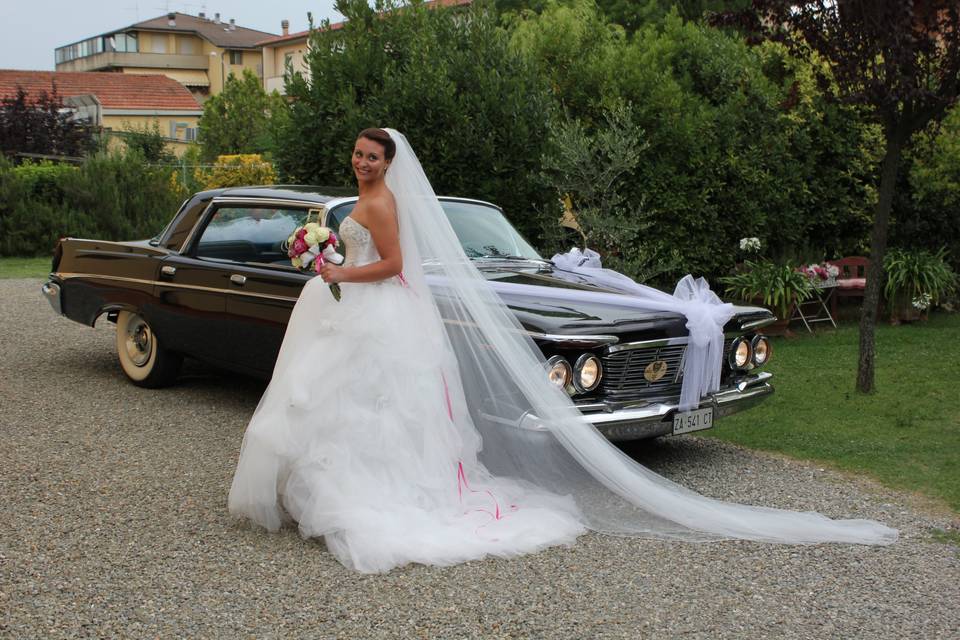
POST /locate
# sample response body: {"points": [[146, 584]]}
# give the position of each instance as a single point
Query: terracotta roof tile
{"points": [[219, 34], [113, 90]]}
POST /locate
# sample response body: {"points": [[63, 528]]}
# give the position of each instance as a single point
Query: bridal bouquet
{"points": [[314, 244]]}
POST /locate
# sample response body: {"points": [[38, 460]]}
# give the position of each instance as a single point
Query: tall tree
{"points": [[240, 119], [42, 124], [898, 58], [475, 111]]}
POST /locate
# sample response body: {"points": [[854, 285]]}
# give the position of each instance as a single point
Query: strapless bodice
{"points": [[358, 244]]}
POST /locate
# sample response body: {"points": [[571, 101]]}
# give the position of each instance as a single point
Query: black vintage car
{"points": [[216, 285]]}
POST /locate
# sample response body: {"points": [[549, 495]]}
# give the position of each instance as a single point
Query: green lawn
{"points": [[36, 268], [906, 434]]}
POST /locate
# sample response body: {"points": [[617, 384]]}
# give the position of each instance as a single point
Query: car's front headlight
{"points": [[587, 373], [741, 353], [762, 350], [559, 371]]}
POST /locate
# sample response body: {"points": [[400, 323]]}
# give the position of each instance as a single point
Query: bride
{"points": [[399, 421]]}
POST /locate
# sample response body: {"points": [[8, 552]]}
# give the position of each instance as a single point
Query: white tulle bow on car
{"points": [[706, 316]]}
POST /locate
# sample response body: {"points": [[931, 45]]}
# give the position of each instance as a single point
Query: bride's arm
{"points": [[382, 223]]}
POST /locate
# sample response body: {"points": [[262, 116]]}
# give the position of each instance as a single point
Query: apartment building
{"points": [[197, 51], [279, 51]]}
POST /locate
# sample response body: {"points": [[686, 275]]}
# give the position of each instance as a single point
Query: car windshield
{"points": [[485, 233], [483, 230]]}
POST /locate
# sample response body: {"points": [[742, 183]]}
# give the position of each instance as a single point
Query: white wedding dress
{"points": [[362, 437], [369, 433]]}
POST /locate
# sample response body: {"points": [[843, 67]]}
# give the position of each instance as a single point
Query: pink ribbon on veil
{"points": [[462, 482]]}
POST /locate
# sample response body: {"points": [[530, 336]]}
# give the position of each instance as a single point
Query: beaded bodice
{"points": [[358, 244]]}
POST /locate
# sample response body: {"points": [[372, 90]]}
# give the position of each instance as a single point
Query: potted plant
{"points": [[916, 280], [776, 286]]}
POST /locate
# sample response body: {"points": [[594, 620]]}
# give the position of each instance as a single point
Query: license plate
{"points": [[688, 421]]}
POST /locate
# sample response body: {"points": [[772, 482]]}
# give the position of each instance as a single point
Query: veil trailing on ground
{"points": [[531, 429]]}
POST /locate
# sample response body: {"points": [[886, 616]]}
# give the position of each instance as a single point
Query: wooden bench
{"points": [[852, 281]]}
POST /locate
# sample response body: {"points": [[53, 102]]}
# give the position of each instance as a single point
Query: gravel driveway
{"points": [[113, 523]]}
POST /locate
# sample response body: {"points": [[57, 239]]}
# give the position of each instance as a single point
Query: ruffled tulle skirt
{"points": [[362, 437]]}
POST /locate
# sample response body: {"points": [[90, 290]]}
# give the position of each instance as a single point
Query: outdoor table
{"points": [[814, 309]]}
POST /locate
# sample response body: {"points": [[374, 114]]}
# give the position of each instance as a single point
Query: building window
{"points": [[158, 44], [191, 134], [124, 42], [188, 46], [89, 47], [236, 57]]}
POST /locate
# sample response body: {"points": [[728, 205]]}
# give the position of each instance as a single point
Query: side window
{"points": [[336, 216], [249, 234]]}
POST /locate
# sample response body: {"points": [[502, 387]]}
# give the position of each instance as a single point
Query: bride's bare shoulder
{"points": [[376, 210]]}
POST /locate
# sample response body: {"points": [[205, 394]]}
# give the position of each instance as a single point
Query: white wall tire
{"points": [[143, 360]]}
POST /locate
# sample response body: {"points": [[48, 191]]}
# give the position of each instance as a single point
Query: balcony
{"points": [[114, 59]]}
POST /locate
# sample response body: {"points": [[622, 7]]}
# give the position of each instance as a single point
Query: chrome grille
{"points": [[623, 372]]}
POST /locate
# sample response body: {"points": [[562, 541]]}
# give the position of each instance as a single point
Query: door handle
{"points": [[238, 279], [167, 270]]}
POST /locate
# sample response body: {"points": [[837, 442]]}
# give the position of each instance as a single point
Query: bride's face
{"points": [[369, 163]]}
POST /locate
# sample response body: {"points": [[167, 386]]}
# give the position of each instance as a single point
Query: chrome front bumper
{"points": [[656, 419], [51, 291]]}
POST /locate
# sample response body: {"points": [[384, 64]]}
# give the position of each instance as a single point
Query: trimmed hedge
{"points": [[111, 196]]}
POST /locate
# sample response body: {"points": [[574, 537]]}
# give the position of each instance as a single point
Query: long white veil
{"points": [[531, 429]]}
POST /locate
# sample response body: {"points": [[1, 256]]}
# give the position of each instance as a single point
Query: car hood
{"points": [[590, 309]]}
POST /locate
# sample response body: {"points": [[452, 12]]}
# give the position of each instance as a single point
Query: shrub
{"points": [[776, 286], [241, 119], [918, 278], [112, 196], [739, 141], [926, 213], [235, 171], [147, 140]]}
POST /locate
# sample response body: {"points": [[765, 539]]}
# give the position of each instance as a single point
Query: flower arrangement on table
{"points": [[316, 245], [822, 274]]}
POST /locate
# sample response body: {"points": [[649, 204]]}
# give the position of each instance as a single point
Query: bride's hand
{"points": [[331, 273]]}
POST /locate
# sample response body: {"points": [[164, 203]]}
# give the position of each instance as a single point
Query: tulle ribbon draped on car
{"points": [[531, 429]]}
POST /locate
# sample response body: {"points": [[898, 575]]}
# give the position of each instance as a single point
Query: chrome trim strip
{"points": [[756, 324], [653, 419], [574, 339], [175, 285], [51, 291], [268, 201], [647, 344], [200, 219], [341, 199], [663, 342]]}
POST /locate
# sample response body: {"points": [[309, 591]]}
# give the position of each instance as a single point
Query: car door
{"points": [[261, 284], [190, 300], [226, 296]]}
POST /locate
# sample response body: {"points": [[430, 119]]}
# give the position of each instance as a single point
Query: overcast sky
{"points": [[31, 29]]}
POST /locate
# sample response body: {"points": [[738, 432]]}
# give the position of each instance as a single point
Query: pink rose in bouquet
{"points": [[314, 244]]}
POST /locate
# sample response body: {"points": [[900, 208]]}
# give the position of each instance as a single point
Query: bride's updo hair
{"points": [[383, 139]]}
